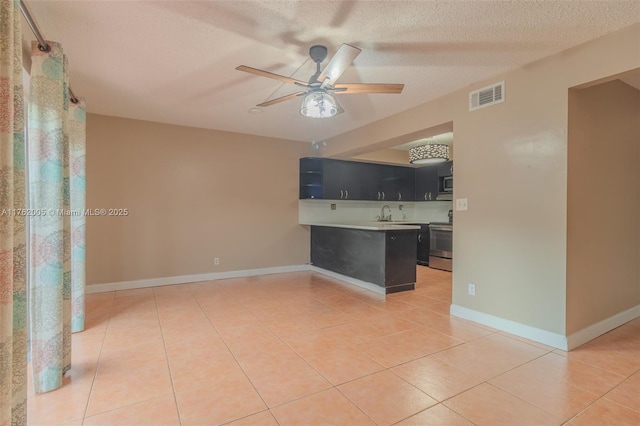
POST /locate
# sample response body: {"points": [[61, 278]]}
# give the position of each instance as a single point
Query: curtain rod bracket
{"points": [[43, 46]]}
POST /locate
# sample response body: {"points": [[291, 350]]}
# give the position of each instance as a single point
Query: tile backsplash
{"points": [[319, 211]]}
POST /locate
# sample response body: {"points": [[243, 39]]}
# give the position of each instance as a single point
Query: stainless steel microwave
{"points": [[447, 184], [445, 190]]}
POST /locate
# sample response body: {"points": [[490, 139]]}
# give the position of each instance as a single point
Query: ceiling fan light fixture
{"points": [[429, 154], [319, 105]]}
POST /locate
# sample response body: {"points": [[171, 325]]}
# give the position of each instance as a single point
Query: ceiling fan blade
{"points": [[280, 99], [351, 88], [339, 107], [271, 75], [338, 64]]}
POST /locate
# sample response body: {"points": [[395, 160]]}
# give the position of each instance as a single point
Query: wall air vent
{"points": [[486, 96]]}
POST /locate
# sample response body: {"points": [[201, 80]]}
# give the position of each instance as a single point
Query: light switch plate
{"points": [[461, 204]]}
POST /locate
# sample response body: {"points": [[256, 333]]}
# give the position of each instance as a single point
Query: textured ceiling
{"points": [[173, 61]]}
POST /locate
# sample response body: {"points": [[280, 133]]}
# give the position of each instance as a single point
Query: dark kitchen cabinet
{"points": [[371, 185], [445, 169], [407, 183], [333, 188], [340, 180], [347, 180], [398, 183], [311, 178], [323, 178], [389, 183], [423, 245], [427, 183], [384, 258]]}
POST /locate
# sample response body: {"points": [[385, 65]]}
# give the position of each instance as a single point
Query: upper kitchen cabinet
{"points": [[346, 180], [333, 188], [323, 178], [389, 183], [398, 183], [445, 169], [311, 178], [427, 183]]}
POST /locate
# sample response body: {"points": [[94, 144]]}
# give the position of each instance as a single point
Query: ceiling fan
{"points": [[318, 101]]}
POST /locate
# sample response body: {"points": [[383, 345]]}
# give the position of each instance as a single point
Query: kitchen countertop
{"points": [[371, 226]]}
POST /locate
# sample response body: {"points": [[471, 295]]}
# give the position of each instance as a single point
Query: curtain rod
{"points": [[42, 43]]}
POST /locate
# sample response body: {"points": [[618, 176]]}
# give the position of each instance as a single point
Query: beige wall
{"points": [[390, 156], [603, 199], [511, 165], [192, 195]]}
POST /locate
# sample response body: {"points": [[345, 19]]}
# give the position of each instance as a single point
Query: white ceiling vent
{"points": [[486, 96]]}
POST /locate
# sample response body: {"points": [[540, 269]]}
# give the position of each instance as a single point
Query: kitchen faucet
{"points": [[382, 216]]}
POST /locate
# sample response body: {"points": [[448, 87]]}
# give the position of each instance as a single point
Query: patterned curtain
{"points": [[77, 185], [13, 296], [50, 232]]}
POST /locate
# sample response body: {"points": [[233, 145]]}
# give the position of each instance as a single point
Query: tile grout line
{"points": [[106, 375], [301, 357], [294, 351], [603, 398], [430, 407], [279, 338], [235, 359], [95, 374], [388, 369], [568, 384], [463, 391], [523, 400], [166, 354]]}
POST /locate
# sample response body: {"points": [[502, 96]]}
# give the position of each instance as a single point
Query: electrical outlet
{"points": [[216, 260], [461, 204], [333, 206], [472, 289]]}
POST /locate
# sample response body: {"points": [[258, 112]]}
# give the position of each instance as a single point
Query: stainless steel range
{"points": [[441, 245]]}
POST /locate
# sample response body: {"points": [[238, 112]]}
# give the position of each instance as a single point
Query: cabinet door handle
{"points": [[425, 196], [451, 169], [399, 196], [341, 194], [383, 195], [419, 238], [346, 194], [378, 195]]}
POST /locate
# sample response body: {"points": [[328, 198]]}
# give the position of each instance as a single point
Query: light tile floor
{"points": [[304, 349]]}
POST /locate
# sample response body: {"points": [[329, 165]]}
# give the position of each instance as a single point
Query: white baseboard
{"points": [[366, 285], [594, 330], [184, 279], [566, 343], [546, 337]]}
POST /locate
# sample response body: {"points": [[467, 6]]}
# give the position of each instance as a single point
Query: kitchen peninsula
{"points": [[335, 197], [379, 253]]}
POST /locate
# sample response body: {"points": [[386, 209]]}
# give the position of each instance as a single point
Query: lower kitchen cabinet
{"points": [[383, 258], [423, 245]]}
